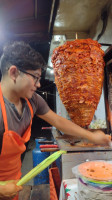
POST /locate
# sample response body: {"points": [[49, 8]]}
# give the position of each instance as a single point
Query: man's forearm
{"points": [[72, 129], [66, 126]]}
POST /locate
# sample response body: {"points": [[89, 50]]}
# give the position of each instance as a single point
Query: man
{"points": [[21, 69]]}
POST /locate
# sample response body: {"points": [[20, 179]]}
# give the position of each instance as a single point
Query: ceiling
{"points": [[78, 16], [46, 24], [25, 19]]}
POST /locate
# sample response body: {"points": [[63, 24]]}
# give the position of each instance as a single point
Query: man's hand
{"points": [[98, 137], [9, 191]]}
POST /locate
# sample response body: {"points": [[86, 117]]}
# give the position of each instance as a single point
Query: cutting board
{"points": [[82, 145]]}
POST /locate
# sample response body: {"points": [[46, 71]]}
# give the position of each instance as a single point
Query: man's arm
{"points": [[72, 129]]}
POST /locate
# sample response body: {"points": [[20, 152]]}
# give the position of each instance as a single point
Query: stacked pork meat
{"points": [[79, 73]]}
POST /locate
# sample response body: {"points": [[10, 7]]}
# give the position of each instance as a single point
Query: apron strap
{"points": [[3, 109]]}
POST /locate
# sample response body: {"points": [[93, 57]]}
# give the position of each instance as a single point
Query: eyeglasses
{"points": [[36, 79]]}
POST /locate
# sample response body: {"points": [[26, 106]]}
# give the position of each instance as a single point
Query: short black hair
{"points": [[22, 55]]}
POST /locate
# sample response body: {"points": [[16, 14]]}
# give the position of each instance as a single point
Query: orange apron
{"points": [[13, 145]]}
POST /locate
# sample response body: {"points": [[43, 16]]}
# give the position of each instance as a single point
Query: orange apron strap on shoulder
{"points": [[3, 109]]}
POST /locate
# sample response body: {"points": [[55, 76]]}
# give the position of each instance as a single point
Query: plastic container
{"points": [[87, 192], [88, 186], [58, 164], [38, 157]]}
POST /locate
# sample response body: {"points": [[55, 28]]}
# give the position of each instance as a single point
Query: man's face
{"points": [[28, 82]]}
